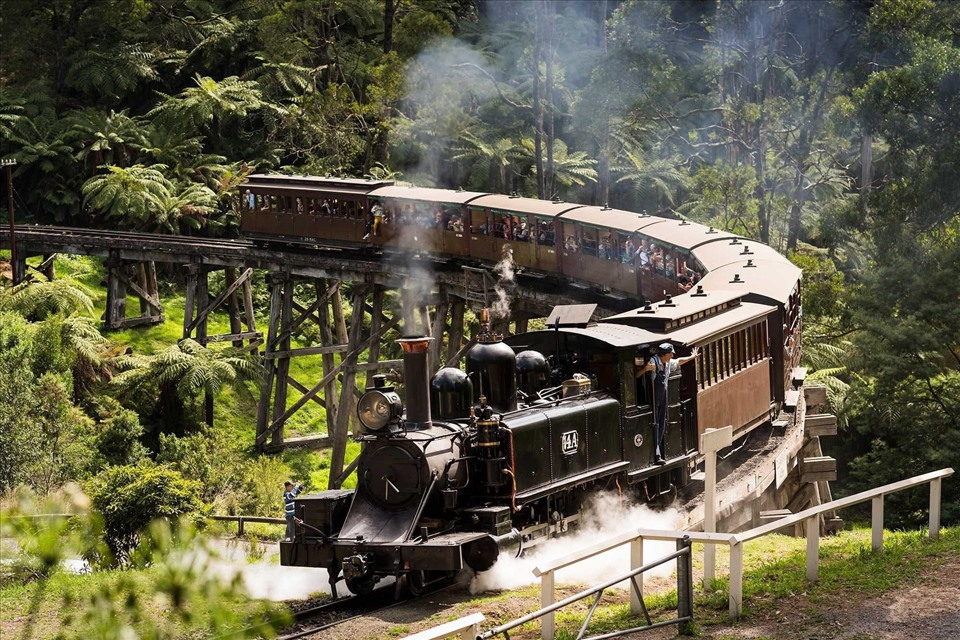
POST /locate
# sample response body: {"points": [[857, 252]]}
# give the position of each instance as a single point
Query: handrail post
{"points": [[813, 548], [736, 579], [239, 526], [685, 586], [548, 622], [636, 561], [935, 486], [711, 441], [877, 523]]}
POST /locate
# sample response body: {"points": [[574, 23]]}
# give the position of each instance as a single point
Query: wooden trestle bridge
{"points": [[433, 299]]}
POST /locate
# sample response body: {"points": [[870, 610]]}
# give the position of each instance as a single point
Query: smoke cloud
{"points": [[266, 579], [442, 86], [605, 516], [506, 272]]}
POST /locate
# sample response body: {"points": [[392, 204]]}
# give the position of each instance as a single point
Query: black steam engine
{"points": [[482, 462]]}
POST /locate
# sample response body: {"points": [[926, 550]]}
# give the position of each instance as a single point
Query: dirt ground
{"points": [[927, 610]]}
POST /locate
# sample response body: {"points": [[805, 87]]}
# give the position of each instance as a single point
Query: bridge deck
{"points": [[536, 295]]}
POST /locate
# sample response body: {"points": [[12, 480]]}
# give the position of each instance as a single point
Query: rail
{"points": [[241, 520], [684, 598], [635, 537], [467, 627]]}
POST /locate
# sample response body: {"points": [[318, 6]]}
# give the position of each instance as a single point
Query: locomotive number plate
{"points": [[569, 442]]}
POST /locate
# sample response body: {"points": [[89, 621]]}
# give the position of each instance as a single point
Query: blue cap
{"points": [[666, 347]]}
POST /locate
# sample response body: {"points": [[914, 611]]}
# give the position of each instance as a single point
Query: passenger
{"points": [[662, 366], [457, 224], [604, 251], [377, 211], [571, 244], [668, 267], [523, 235], [643, 256], [325, 208], [658, 263], [629, 251], [249, 199]]}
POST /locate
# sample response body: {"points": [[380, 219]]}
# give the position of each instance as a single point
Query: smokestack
{"points": [[416, 381]]}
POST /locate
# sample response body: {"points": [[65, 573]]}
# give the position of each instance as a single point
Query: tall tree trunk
{"points": [[866, 160], [538, 107], [602, 193], [389, 11], [549, 178], [801, 193]]}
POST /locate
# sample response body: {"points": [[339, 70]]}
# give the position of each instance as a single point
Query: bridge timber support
{"points": [[139, 278]]}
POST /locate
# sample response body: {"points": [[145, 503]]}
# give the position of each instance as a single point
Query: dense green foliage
{"points": [[177, 588], [130, 498], [827, 129]]}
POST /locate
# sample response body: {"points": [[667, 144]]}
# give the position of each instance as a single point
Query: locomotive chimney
{"points": [[416, 382]]}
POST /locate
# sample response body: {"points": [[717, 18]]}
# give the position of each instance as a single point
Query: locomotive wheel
{"points": [[361, 586], [419, 581]]}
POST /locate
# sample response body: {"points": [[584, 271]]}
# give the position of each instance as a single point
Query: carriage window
{"points": [[588, 237], [545, 233], [478, 222], [607, 249]]}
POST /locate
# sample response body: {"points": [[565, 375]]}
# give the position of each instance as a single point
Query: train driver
{"points": [[663, 365]]}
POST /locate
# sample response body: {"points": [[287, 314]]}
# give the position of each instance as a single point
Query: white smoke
{"points": [[442, 83], [266, 579], [605, 516], [505, 277]]}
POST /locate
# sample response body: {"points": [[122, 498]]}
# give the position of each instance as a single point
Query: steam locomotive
{"points": [[501, 456]]}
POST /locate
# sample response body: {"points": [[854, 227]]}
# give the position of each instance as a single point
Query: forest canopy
{"points": [[828, 129]]}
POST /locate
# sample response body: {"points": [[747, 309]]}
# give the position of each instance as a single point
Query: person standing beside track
{"points": [[290, 492], [663, 365]]}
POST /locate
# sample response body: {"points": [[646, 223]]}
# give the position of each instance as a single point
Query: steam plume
{"points": [[505, 278], [605, 516]]}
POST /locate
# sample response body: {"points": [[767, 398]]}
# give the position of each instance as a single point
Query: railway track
{"points": [[331, 614]]}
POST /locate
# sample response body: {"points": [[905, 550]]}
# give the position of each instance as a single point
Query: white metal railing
{"points": [[635, 537], [468, 628], [546, 571], [812, 517], [684, 618]]}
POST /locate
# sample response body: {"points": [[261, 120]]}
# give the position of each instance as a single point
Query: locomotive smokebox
{"points": [[492, 365], [416, 381]]}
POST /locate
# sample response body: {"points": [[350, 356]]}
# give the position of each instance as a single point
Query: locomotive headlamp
{"points": [[377, 409]]}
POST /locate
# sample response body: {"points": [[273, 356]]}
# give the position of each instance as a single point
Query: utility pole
{"points": [[8, 165]]}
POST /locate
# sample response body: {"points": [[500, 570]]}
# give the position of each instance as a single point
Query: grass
{"points": [[774, 577], [65, 599]]}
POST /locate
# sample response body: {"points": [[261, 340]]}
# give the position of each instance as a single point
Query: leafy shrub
{"points": [[129, 498]]}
